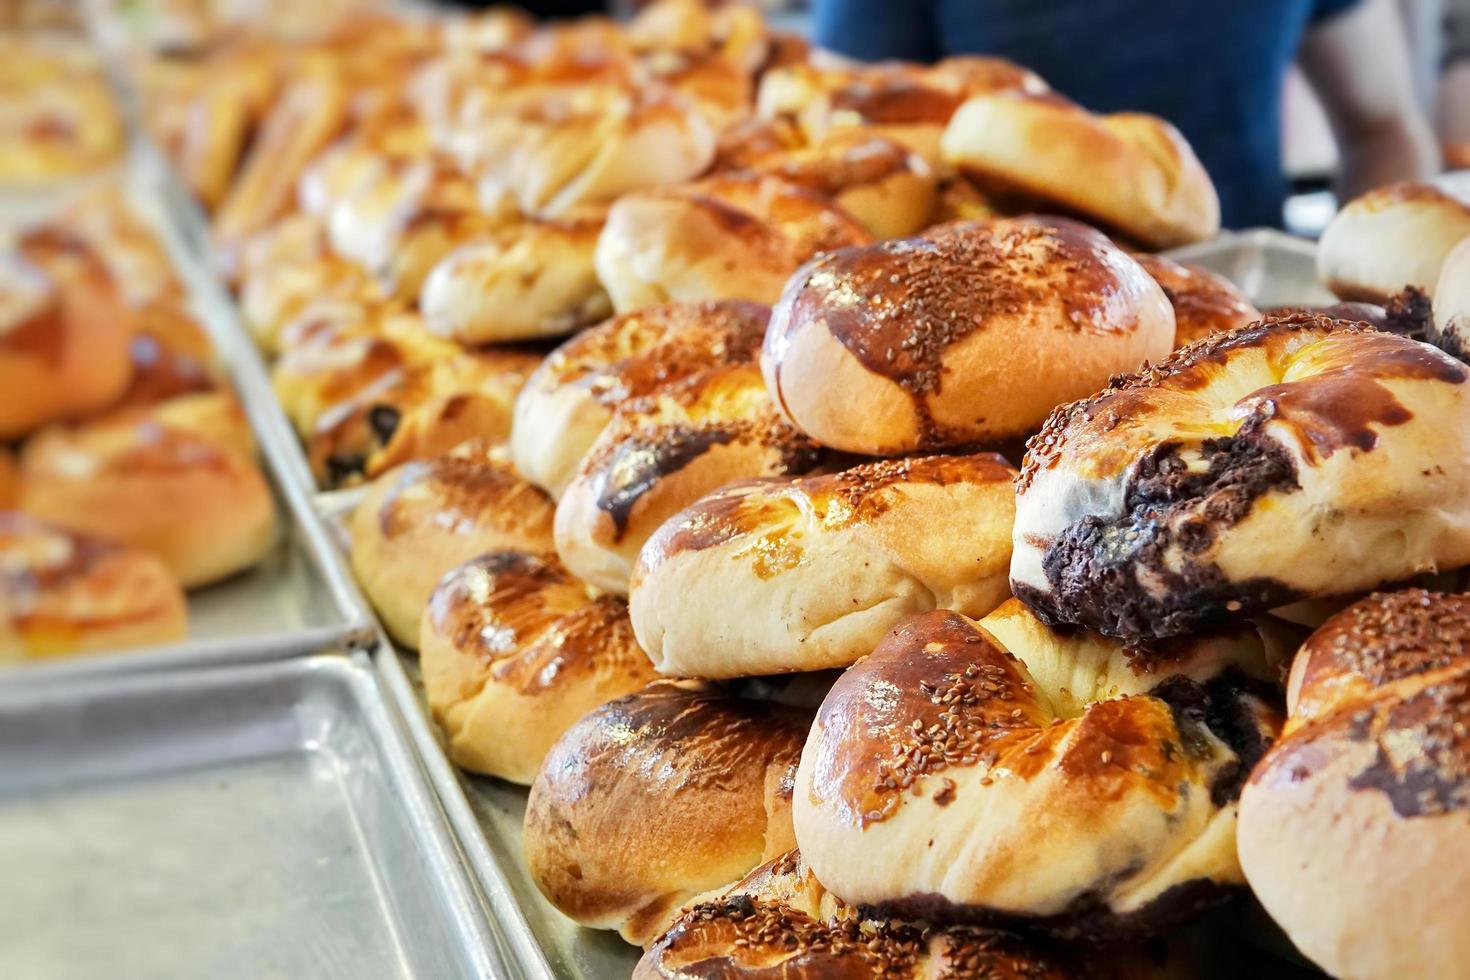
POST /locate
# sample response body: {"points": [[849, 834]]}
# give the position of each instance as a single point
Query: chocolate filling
{"points": [[636, 466], [1230, 707]]}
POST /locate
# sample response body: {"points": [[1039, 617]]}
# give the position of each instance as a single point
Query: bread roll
{"points": [[571, 397], [1132, 172], [777, 575], [658, 797], [780, 918], [514, 650], [177, 484], [60, 117], [730, 236], [880, 182], [1351, 826], [1300, 458], [1204, 303], [528, 281], [63, 593], [970, 333], [171, 356], [1389, 238], [1000, 771], [9, 480], [659, 454], [64, 336], [746, 144], [421, 520], [1450, 330]]}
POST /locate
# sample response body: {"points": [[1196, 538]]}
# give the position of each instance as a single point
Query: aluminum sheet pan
{"points": [[267, 820], [1271, 267], [300, 598]]}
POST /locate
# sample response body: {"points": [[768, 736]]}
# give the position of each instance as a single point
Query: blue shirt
{"points": [[1214, 68]]}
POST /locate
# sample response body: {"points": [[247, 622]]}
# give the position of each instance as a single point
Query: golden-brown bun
{"points": [[421, 520], [1000, 771], [420, 411], [658, 797], [1451, 327], [1301, 458], [63, 593], [9, 480], [909, 104], [514, 650], [658, 455], [1389, 238], [64, 336], [1204, 303], [1351, 827], [527, 281], [747, 144], [969, 333], [777, 575], [60, 119], [1133, 172], [171, 357], [175, 481], [881, 183], [721, 91], [731, 236], [780, 918], [571, 397]]}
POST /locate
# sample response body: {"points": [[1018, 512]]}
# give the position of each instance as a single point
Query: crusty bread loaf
{"points": [[514, 650], [571, 397], [777, 575], [662, 452], [730, 236], [1389, 238], [1132, 172], [1351, 826], [63, 593], [658, 797], [969, 333], [1299, 458], [1001, 771], [424, 518], [1204, 303]]}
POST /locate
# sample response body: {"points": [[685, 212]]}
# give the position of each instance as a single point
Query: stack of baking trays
{"points": [[823, 521]]}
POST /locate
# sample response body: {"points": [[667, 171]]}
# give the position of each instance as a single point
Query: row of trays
{"points": [[271, 798]]}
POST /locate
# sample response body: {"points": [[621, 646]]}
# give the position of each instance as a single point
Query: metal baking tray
{"points": [[301, 597], [1271, 267], [245, 821]]}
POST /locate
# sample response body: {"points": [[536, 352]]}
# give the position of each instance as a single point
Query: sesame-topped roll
{"points": [[1300, 458], [1352, 829], [570, 399], [1002, 772], [659, 797], [514, 650], [661, 453], [778, 575], [1204, 303], [969, 333]]}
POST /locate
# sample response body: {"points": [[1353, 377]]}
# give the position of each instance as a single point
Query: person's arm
{"points": [[1358, 64]]}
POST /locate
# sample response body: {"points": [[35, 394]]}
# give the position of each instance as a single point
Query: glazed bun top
{"points": [[1204, 303], [969, 333]]}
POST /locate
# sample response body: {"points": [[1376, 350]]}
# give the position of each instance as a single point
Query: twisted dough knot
{"points": [[998, 770], [1298, 458], [1351, 826]]}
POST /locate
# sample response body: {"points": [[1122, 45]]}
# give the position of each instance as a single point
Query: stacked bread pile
{"points": [[810, 671], [127, 467]]}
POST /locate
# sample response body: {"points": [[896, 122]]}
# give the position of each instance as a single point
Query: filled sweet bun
{"points": [[64, 337], [1299, 458], [1131, 172], [970, 333], [656, 798], [1002, 772], [171, 357], [1389, 238], [777, 575], [730, 236], [527, 281], [1451, 327], [424, 518], [662, 452], [1348, 827], [178, 481], [514, 650], [571, 397], [1204, 303], [63, 593]]}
